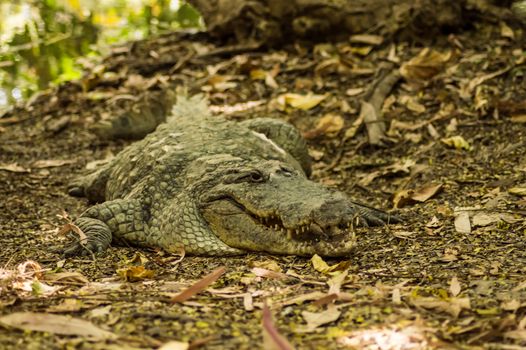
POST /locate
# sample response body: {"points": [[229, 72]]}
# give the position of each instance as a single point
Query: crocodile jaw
{"points": [[241, 229]]}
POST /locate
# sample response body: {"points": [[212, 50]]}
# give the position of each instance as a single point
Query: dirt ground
{"points": [[452, 276]]}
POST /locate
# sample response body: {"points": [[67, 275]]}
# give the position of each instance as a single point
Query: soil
{"points": [[429, 283]]}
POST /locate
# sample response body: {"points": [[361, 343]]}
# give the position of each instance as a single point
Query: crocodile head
{"points": [[272, 207]]}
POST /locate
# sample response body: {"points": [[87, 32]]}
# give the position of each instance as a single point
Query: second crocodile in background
{"points": [[216, 187]]}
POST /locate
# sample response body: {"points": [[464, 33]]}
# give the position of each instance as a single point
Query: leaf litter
{"points": [[448, 138]]}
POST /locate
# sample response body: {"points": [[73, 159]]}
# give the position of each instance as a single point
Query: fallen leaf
{"points": [[304, 102], [369, 39], [518, 118], [272, 339], [14, 168], [482, 219], [199, 285], [51, 163], [511, 305], [68, 305], [519, 334], [300, 299], [70, 278], [454, 286], [261, 272], [457, 142], [271, 265], [317, 319], [135, 273], [426, 192], [329, 125], [424, 66], [56, 324], [452, 306], [321, 266], [462, 224], [421, 194], [519, 191], [175, 345], [354, 91]]}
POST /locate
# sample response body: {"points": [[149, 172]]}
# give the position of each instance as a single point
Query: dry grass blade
{"points": [[199, 285]]}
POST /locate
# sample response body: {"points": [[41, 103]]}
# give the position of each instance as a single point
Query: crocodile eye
{"points": [[256, 176]]}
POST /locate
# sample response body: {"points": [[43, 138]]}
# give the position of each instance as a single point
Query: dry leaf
{"points": [[354, 91], [425, 65], [519, 191], [462, 224], [199, 285], [50, 163], [329, 125], [482, 219], [321, 266], [316, 319], [369, 39], [271, 265], [272, 339], [452, 306], [518, 118], [175, 345], [261, 272], [454, 286], [14, 168], [426, 192], [55, 324], [457, 142], [304, 102], [135, 273]]}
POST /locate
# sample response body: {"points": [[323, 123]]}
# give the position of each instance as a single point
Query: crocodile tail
{"points": [[195, 106]]}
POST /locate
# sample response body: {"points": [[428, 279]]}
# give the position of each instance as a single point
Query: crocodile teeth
{"points": [[289, 234]]}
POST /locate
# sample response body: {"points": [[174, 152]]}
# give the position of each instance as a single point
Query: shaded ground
{"points": [[420, 285]]}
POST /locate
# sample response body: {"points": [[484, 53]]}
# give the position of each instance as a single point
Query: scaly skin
{"points": [[215, 187]]}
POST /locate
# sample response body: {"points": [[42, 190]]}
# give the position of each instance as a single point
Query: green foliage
{"points": [[40, 41]]}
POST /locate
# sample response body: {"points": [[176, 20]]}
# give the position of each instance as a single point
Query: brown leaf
{"points": [[261, 272], [272, 339], [423, 193], [56, 324], [199, 285], [425, 65], [71, 278]]}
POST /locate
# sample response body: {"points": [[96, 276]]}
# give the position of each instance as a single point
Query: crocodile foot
{"points": [[97, 238]]}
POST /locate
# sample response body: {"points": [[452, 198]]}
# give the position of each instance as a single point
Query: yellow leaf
{"points": [[258, 74], [321, 266], [304, 102], [519, 191], [135, 273], [457, 142]]}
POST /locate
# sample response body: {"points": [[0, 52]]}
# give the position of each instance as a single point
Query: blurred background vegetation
{"points": [[45, 42]]}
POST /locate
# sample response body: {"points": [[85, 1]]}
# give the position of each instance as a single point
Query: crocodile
{"points": [[215, 187]]}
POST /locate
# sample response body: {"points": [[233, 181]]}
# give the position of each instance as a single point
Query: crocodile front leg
{"points": [[120, 218]]}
